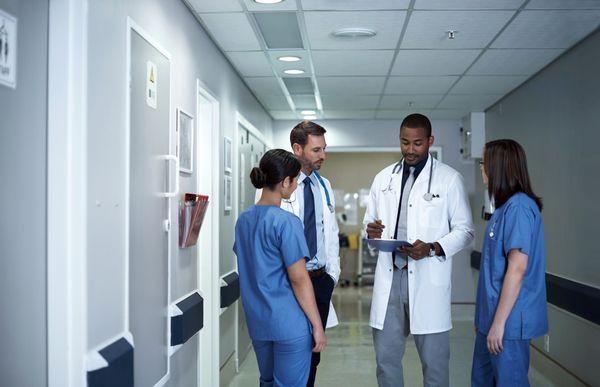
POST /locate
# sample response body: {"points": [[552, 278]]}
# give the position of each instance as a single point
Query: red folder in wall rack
{"points": [[191, 215]]}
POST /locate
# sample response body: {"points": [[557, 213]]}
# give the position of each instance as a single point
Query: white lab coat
{"points": [[330, 225], [446, 220]]}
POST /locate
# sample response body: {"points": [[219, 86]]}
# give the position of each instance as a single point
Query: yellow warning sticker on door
{"points": [[151, 80]]}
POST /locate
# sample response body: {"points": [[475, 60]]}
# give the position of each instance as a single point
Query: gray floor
{"points": [[349, 359]]}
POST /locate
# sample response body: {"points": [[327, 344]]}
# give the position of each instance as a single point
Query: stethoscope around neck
{"points": [[428, 196], [327, 195]]}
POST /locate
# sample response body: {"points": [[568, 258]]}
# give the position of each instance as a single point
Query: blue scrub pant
{"points": [[509, 368], [284, 363]]}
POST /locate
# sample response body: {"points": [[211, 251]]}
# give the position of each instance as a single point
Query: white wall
{"points": [[385, 133], [23, 167], [194, 55]]}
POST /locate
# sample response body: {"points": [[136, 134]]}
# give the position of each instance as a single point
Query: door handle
{"points": [[171, 160]]}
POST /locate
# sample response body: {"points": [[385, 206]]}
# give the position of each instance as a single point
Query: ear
{"points": [[297, 149], [431, 140], [285, 183]]}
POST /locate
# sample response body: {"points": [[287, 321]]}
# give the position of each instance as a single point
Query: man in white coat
{"points": [[422, 201], [313, 203]]}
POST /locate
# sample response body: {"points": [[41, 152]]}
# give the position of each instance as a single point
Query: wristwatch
{"points": [[431, 249]]}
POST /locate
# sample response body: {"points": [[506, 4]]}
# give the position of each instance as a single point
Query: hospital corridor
{"points": [[290, 193]]}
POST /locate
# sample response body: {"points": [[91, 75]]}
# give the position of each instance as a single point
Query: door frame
{"points": [[67, 193], [133, 27], [208, 128]]}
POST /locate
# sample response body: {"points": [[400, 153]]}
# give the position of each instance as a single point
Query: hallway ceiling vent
{"points": [[300, 85], [354, 33], [279, 29]]}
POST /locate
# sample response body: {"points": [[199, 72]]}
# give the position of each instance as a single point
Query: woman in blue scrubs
{"points": [[511, 293], [276, 291]]}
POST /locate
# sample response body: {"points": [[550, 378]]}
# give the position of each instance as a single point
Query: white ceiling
{"points": [[410, 65]]}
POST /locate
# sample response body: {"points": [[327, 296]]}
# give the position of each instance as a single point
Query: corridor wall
{"points": [[194, 56], [24, 170]]}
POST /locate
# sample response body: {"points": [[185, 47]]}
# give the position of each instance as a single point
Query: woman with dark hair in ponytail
{"points": [[277, 294], [511, 292]]}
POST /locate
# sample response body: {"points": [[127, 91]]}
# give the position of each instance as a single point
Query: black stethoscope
{"points": [[398, 167]]}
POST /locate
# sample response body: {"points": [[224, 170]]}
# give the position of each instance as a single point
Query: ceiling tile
{"points": [[419, 85], [388, 26], [433, 62], [563, 4], [447, 114], [349, 102], [347, 5], [299, 85], [471, 102], [350, 85], [259, 7], [428, 29], [410, 101], [232, 31], [367, 62], [513, 61], [476, 84], [283, 114], [304, 101], [215, 5], [251, 63], [264, 85], [548, 29], [398, 114], [468, 4], [279, 29], [348, 114], [274, 102]]}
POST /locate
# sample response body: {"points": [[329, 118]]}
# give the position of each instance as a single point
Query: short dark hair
{"points": [[274, 167], [415, 121], [299, 135], [505, 165]]}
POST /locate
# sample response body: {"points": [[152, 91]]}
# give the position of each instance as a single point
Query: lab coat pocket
{"points": [[432, 213], [440, 272]]}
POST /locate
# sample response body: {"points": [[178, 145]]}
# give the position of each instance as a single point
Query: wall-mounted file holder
{"points": [[191, 215]]}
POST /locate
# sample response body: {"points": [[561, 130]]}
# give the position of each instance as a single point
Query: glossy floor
{"points": [[349, 359]]}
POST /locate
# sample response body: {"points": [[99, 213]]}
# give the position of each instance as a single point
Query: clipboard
{"points": [[387, 245]]}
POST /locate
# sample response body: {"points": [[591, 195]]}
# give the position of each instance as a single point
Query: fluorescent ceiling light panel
{"points": [[268, 1], [294, 72], [310, 117], [279, 29], [308, 112], [289, 58]]}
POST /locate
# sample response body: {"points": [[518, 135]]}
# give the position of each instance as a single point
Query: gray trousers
{"points": [[390, 343]]}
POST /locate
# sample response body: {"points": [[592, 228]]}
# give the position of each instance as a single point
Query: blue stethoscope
{"points": [[327, 194], [398, 167]]}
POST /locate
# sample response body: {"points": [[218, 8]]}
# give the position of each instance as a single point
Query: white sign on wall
{"points": [[151, 80], [8, 50]]}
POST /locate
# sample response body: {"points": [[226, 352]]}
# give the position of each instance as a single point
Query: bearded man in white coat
{"points": [[422, 201]]}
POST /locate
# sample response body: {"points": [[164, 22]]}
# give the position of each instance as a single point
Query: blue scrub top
{"points": [[267, 241], [515, 225]]}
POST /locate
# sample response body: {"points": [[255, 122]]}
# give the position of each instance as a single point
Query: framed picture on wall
{"points": [[185, 142], [227, 193], [436, 152], [227, 157]]}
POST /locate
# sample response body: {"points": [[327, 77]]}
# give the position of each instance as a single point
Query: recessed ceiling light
{"points": [[294, 72], [310, 117], [268, 1], [289, 58], [308, 112], [354, 33]]}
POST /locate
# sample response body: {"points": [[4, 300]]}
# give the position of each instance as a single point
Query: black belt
{"points": [[316, 273]]}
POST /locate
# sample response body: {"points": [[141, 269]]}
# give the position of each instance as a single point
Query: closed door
{"points": [[251, 149], [148, 236]]}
